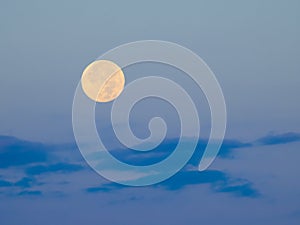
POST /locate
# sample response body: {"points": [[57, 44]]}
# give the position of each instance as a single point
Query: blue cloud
{"points": [[103, 188], [26, 182], [19, 188], [161, 152], [15, 152], [4, 183], [242, 190], [184, 178], [217, 180], [275, 139], [53, 168], [36, 159], [30, 193]]}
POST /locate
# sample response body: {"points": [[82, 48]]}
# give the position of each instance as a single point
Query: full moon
{"points": [[102, 81]]}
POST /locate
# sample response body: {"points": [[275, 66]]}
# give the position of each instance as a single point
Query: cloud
{"points": [[30, 193], [103, 188], [184, 178], [53, 168], [19, 157], [242, 190], [26, 182], [35, 159], [161, 152], [275, 139], [15, 152], [19, 188], [4, 183], [218, 182]]}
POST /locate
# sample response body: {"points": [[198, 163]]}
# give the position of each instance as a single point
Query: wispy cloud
{"points": [[16, 152], [35, 161], [30, 193], [275, 139], [22, 187], [23, 163], [26, 182], [4, 183], [53, 168], [218, 182]]}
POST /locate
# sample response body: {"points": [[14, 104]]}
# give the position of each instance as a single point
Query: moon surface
{"points": [[102, 81]]}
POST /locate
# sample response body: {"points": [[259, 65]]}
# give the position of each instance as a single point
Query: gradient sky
{"points": [[251, 46]]}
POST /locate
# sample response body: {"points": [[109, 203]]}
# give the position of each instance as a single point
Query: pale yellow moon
{"points": [[102, 81]]}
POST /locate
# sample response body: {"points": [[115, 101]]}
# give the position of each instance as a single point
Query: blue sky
{"points": [[251, 46]]}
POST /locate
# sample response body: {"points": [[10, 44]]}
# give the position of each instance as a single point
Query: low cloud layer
{"points": [[35, 161]]}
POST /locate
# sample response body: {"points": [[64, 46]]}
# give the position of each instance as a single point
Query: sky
{"points": [[251, 46]]}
